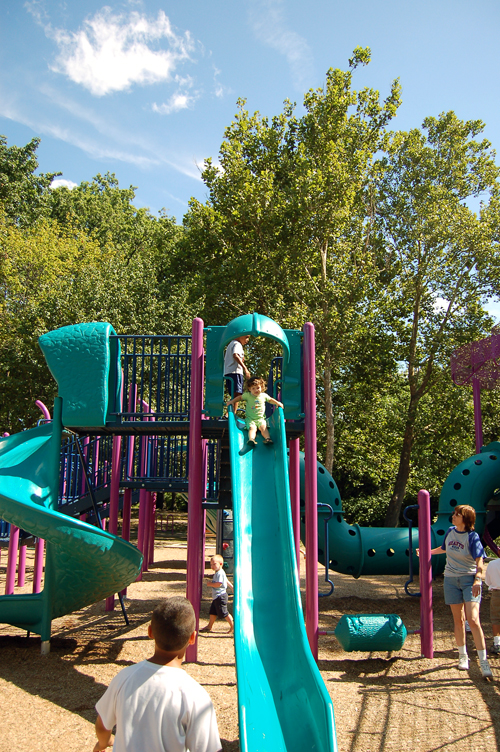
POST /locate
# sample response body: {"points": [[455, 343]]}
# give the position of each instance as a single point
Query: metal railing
{"points": [[156, 377]]}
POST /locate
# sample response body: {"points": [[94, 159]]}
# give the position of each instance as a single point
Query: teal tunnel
{"points": [[357, 550]]}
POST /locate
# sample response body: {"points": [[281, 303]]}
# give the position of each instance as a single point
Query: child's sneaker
{"points": [[495, 650], [463, 662], [485, 669], [251, 443]]}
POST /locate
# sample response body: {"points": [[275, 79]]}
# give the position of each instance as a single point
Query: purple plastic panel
{"points": [[479, 361]]}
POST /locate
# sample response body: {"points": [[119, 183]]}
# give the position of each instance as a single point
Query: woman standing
{"points": [[463, 575]]}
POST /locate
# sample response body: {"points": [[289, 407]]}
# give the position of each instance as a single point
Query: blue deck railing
{"points": [[156, 378]]}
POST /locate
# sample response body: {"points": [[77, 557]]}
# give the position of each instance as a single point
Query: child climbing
{"points": [[255, 398]]}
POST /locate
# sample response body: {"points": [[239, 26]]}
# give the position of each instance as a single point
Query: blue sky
{"points": [[145, 89]]}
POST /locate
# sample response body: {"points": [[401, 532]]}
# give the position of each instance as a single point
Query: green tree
{"points": [[23, 194], [436, 257], [53, 276], [36, 267], [286, 229]]}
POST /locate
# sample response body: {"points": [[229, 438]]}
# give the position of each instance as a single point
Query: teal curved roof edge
{"points": [[255, 325], [84, 359]]}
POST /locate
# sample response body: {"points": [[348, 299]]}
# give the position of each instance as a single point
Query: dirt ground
{"points": [[382, 701]]}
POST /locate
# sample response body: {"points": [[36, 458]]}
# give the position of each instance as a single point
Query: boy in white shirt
{"points": [[155, 704], [218, 606]]}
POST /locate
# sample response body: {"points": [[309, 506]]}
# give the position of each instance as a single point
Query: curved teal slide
{"points": [[283, 703], [360, 550], [83, 563]]}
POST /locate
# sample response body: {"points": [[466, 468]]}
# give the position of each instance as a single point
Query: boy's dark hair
{"points": [[255, 380], [172, 623]]}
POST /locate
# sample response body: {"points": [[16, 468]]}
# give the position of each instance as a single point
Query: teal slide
{"points": [[283, 703], [360, 550], [83, 563]]}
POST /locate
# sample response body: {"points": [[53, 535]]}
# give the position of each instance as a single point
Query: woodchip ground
{"points": [[382, 701]]}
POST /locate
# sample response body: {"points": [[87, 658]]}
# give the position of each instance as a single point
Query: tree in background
{"points": [[23, 194], [286, 229], [438, 257], [138, 274], [36, 265], [86, 254]]}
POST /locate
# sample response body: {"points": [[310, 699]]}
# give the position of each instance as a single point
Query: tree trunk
{"points": [[398, 494]]}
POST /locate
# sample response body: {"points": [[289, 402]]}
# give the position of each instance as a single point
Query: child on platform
{"points": [[155, 704], [255, 399]]}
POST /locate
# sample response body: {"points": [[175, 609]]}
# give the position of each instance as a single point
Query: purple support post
{"points": [[38, 569], [95, 460], [12, 560], [149, 530], [143, 500], [127, 512], [294, 472], [151, 550], [44, 410], [127, 496], [478, 418], [195, 491], [85, 452], [424, 544], [311, 489], [204, 493], [114, 499], [21, 567]]}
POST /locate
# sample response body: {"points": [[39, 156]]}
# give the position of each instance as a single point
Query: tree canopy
{"points": [[386, 240]]}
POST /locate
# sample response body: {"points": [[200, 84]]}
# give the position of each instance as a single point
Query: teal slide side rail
{"points": [[283, 703], [360, 551], [84, 359], [83, 563], [255, 325]]}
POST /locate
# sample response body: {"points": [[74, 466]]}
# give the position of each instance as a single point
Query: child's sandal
{"points": [[268, 441]]}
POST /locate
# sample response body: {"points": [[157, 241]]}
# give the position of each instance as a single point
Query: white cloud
{"points": [[219, 90], [267, 20], [61, 183], [180, 100], [175, 103], [113, 52]]}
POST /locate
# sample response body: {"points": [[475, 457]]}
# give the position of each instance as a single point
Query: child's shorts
{"points": [[459, 590], [234, 383], [218, 607], [257, 423], [495, 606]]}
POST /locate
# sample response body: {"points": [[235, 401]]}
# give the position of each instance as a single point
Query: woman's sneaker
{"points": [[485, 669], [463, 662]]}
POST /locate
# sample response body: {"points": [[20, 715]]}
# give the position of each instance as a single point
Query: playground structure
{"points": [[146, 426], [94, 407]]}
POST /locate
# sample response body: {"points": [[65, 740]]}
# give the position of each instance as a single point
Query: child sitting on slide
{"points": [[255, 399]]}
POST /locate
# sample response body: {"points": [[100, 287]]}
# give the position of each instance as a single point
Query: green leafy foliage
{"points": [[24, 195], [435, 255]]}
